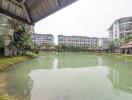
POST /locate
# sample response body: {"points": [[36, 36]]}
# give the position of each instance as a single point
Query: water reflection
{"points": [[19, 86], [18, 82], [120, 75], [55, 64], [77, 60], [70, 76]]}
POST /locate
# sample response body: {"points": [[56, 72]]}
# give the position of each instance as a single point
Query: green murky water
{"points": [[69, 76]]}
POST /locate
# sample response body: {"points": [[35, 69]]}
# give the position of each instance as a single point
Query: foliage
{"points": [[23, 42], [20, 38], [111, 45], [6, 62], [34, 49], [20, 41], [62, 48], [1, 41], [49, 45], [4, 97], [114, 44], [127, 39]]}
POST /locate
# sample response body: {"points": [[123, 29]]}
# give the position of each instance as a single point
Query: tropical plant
{"points": [[4, 97], [20, 40], [23, 42], [127, 39], [114, 44]]}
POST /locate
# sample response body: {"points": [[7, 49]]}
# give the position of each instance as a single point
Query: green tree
{"points": [[127, 39], [114, 44], [23, 42]]}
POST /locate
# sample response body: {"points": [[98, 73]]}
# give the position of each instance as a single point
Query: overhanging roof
{"points": [[31, 11], [127, 45]]}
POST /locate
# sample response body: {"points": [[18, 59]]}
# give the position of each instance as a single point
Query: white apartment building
{"points": [[77, 41], [42, 39], [103, 43], [120, 28]]}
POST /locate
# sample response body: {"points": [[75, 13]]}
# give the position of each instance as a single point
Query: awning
{"points": [[31, 11], [127, 45]]}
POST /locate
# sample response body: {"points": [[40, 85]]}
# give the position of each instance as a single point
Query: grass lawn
{"points": [[7, 62]]}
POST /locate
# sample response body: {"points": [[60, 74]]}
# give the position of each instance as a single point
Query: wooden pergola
{"points": [[31, 11]]}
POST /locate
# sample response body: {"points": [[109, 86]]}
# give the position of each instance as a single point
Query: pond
{"points": [[69, 76]]}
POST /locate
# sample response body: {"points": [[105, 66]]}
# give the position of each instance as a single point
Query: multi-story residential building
{"points": [[103, 43], [42, 39], [120, 28], [83, 41], [77, 41]]}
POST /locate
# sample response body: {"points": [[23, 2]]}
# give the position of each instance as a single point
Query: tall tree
{"points": [[127, 39]]}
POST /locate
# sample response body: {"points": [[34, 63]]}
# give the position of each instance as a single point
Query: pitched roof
{"points": [[127, 45], [31, 11]]}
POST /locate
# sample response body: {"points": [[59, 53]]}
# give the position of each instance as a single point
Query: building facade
{"points": [[82, 41], [8, 26], [120, 28], [6, 34], [42, 39], [103, 43]]}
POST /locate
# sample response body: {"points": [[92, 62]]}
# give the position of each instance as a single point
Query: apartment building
{"points": [[77, 41], [42, 39], [103, 43], [120, 28]]}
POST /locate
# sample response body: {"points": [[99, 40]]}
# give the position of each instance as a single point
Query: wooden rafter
{"points": [[13, 16], [25, 12], [15, 2], [23, 1], [31, 11], [22, 5]]}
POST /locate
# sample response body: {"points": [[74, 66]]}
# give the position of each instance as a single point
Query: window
{"points": [[115, 35]]}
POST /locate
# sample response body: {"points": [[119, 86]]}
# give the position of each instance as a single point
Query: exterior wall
{"points": [[81, 41], [116, 30], [6, 31], [42, 39], [120, 28], [103, 43], [5, 25], [110, 35]]}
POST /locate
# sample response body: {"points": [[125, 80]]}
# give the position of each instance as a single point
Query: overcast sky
{"points": [[85, 17]]}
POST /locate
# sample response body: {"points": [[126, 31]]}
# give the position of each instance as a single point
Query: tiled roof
{"points": [[127, 45]]}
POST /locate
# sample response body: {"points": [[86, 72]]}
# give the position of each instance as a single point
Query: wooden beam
{"points": [[23, 1], [22, 5], [15, 2], [26, 13], [13, 16]]}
